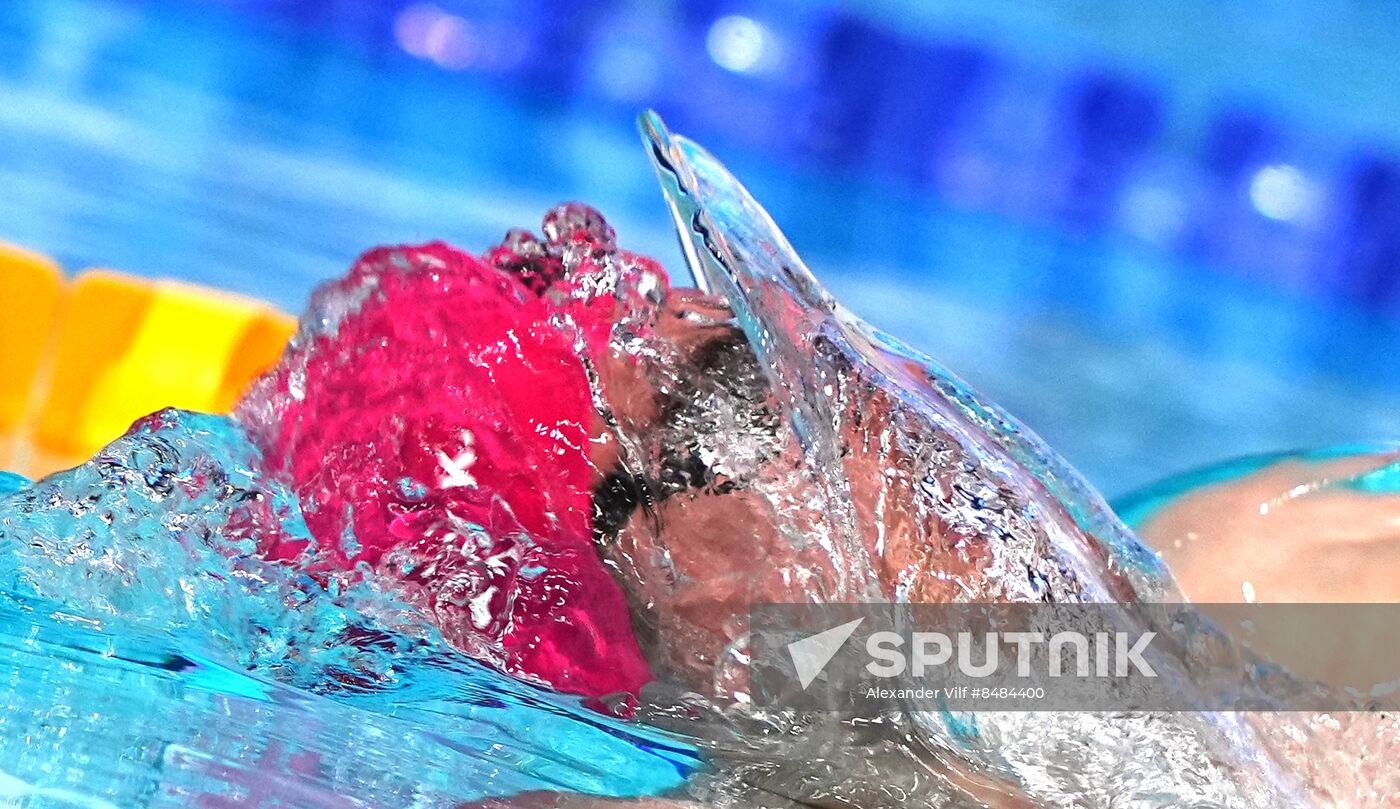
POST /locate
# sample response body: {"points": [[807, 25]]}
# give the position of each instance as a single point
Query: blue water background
{"points": [[1159, 233]]}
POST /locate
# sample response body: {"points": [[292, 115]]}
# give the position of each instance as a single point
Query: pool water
{"points": [[112, 716], [156, 661], [267, 157]]}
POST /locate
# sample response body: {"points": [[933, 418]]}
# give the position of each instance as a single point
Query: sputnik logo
{"points": [[811, 654]]}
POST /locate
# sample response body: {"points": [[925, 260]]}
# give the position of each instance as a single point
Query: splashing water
{"points": [[484, 506], [434, 426], [941, 497], [165, 664]]}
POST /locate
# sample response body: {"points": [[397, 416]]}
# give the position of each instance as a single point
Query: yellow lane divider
{"points": [[81, 359]]}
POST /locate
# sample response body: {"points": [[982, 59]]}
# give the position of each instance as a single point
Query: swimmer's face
{"points": [[698, 534], [685, 534]]}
